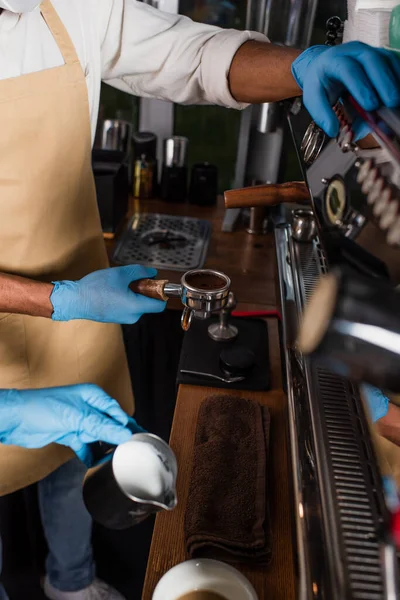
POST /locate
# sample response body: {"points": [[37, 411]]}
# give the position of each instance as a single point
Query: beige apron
{"points": [[50, 230]]}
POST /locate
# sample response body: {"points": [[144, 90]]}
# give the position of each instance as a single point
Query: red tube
{"points": [[396, 528], [258, 313]]}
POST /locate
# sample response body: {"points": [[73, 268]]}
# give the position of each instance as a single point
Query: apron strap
{"points": [[59, 32]]}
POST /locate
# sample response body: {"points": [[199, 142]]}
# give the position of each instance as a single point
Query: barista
{"points": [[52, 61]]}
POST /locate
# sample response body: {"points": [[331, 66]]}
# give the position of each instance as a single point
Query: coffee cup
{"points": [[204, 579]]}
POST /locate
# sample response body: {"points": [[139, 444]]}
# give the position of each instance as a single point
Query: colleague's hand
{"points": [[378, 403], [104, 296], [370, 75], [73, 416]]}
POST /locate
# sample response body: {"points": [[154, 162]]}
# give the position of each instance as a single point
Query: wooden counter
{"points": [[275, 582], [251, 264]]}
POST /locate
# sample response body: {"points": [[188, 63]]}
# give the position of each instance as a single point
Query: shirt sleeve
{"points": [[147, 52]]}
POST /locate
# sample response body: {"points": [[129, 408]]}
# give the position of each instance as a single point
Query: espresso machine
{"points": [[337, 238]]}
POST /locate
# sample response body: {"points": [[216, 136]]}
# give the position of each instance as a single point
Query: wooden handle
{"points": [[268, 195], [152, 288]]}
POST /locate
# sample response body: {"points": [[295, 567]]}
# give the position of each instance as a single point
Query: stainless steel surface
{"points": [[338, 495], [331, 163], [243, 147], [173, 290], [114, 135], [221, 332], [224, 331], [257, 220], [157, 116], [175, 151], [164, 242], [371, 334], [200, 302], [301, 23], [368, 220], [270, 117], [264, 155], [210, 376], [115, 499], [391, 581], [167, 500], [305, 489], [230, 219], [290, 22], [203, 302], [304, 226], [186, 318]]}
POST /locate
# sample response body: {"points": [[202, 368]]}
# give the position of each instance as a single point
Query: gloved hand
{"points": [[370, 75], [378, 403], [73, 416], [104, 296]]}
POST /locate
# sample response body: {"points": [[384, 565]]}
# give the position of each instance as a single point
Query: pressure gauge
{"points": [[335, 201]]}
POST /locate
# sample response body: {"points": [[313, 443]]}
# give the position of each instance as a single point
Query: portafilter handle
{"points": [[295, 192], [158, 289]]}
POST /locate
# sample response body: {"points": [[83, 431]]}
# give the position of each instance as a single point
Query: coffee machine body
{"points": [[341, 466]]}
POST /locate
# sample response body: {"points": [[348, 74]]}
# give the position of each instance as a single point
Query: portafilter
{"points": [[201, 291]]}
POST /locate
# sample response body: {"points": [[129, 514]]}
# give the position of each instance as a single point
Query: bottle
{"points": [[143, 178], [145, 142]]}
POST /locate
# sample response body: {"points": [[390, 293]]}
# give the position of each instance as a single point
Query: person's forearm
{"points": [[261, 72], [25, 296], [389, 426]]}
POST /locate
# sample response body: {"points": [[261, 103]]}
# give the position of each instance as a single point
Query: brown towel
{"points": [[227, 512]]}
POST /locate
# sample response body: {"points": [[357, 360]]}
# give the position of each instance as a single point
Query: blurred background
{"points": [[213, 132]]}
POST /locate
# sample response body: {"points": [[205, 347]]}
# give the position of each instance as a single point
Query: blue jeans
{"points": [[68, 527]]}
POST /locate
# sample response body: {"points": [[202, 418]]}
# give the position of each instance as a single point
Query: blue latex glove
{"points": [[73, 416], [378, 403], [360, 128], [104, 296], [370, 75]]}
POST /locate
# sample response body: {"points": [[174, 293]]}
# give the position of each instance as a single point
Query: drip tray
{"points": [[164, 242]]}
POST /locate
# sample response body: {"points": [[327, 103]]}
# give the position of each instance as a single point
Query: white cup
{"points": [[204, 574]]}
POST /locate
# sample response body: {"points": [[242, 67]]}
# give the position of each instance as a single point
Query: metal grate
{"points": [[353, 483], [352, 473], [312, 265], [164, 242]]}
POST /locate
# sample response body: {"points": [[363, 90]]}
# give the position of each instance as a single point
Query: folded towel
{"points": [[227, 511]]}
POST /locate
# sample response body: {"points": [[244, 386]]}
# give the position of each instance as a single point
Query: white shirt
{"points": [[129, 45]]}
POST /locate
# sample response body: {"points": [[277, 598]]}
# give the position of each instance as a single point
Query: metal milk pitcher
{"points": [[132, 482]]}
